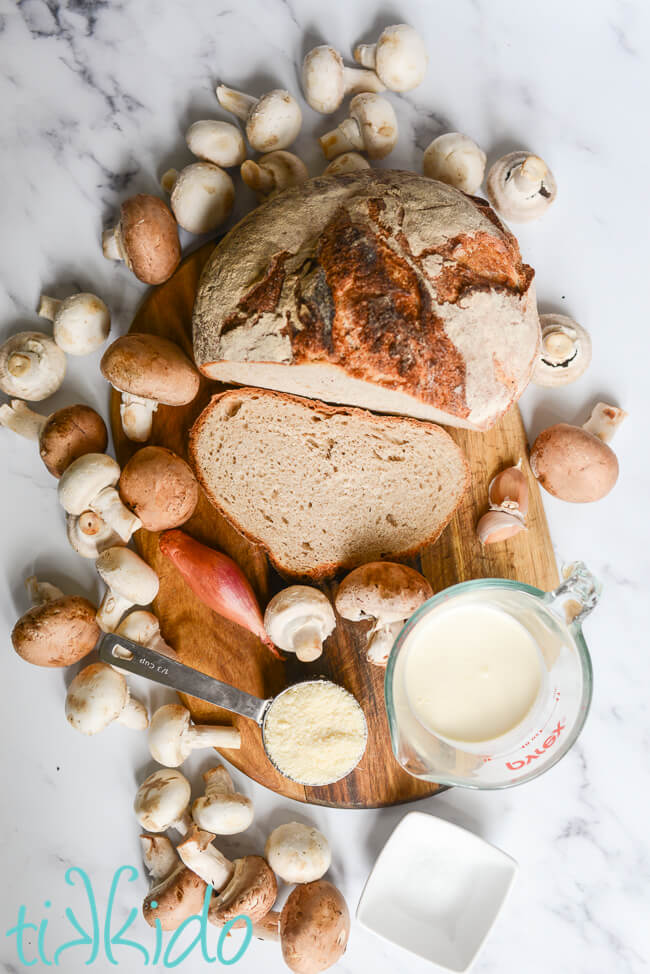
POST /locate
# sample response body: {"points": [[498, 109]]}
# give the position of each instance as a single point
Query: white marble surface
{"points": [[95, 98]]}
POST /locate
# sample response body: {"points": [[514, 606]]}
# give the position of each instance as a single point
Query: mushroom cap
{"points": [[323, 79], [377, 122], [202, 197], [565, 351], [291, 608], [84, 478], [214, 141], [42, 376], [127, 575], [512, 202], [96, 697], [274, 121], [572, 464], [57, 633], [401, 58], [81, 324], [298, 853], [382, 590], [148, 238], [159, 487], [252, 891], [151, 367], [70, 433], [457, 160], [346, 162], [168, 734], [178, 897], [161, 799], [314, 927]]}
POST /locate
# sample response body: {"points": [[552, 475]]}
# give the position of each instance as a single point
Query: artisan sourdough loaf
{"points": [[323, 488], [378, 289]]}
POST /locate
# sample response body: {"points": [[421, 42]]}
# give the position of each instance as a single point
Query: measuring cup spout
{"points": [[577, 595]]}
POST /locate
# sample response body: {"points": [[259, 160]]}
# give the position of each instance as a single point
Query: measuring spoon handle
{"points": [[154, 666]]}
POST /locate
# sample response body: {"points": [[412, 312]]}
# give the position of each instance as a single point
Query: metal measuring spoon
{"points": [[127, 655]]}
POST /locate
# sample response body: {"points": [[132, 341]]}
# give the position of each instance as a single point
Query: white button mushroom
{"points": [[145, 238], [326, 80], [398, 57], [204, 859], [81, 323], [143, 627], [221, 809], [173, 735], [58, 630], [521, 187], [457, 160], [272, 121], [298, 853], [98, 696], [147, 370], [88, 484], [371, 128], [575, 463], [159, 856], [299, 619], [214, 141], [129, 580], [64, 436], [89, 534], [162, 802], [32, 366], [565, 353], [346, 162], [201, 196], [273, 172], [388, 594]]}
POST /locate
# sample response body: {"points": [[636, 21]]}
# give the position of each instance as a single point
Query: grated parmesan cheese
{"points": [[315, 732]]}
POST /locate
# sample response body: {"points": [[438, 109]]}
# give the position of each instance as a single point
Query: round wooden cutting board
{"points": [[230, 653]]}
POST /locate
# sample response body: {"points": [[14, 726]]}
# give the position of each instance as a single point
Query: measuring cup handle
{"points": [[127, 655], [577, 595]]}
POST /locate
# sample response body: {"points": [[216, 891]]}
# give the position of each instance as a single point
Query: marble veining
{"points": [[96, 96]]}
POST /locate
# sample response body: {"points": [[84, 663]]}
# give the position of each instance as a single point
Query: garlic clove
{"points": [[508, 492], [497, 526]]}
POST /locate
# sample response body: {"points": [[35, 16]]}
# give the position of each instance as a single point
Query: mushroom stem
{"points": [[235, 101], [41, 592], [204, 859], [134, 715], [48, 307], [356, 80], [111, 610], [168, 179], [269, 927], [206, 735], [22, 420], [257, 178], [137, 416], [110, 508], [366, 54], [308, 643], [344, 138], [380, 641], [529, 174], [20, 363], [112, 244], [159, 856], [604, 421]]}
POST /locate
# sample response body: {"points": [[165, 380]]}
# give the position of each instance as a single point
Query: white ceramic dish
{"points": [[436, 890]]}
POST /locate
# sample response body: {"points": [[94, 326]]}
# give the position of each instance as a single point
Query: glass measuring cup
{"points": [[127, 655], [553, 723]]}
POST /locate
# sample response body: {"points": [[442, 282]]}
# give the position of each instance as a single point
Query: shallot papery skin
{"points": [[217, 581]]}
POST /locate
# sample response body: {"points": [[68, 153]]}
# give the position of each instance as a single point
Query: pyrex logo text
{"points": [[539, 751]]}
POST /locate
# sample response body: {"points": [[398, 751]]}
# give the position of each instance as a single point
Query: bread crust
{"points": [[327, 570], [392, 278]]}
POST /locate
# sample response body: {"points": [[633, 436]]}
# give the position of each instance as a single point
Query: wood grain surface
{"points": [[228, 652]]}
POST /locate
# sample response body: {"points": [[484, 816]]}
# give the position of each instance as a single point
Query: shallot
{"points": [[217, 581]]}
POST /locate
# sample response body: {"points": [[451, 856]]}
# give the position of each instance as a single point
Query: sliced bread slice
{"points": [[324, 488]]}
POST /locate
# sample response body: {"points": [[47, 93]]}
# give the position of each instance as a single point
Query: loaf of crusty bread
{"points": [[378, 289], [323, 488]]}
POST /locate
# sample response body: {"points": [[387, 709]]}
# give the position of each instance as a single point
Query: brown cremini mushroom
{"points": [[64, 436], [575, 463], [251, 891], [148, 370], [388, 594], [58, 630], [159, 487], [177, 893], [145, 238]]}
